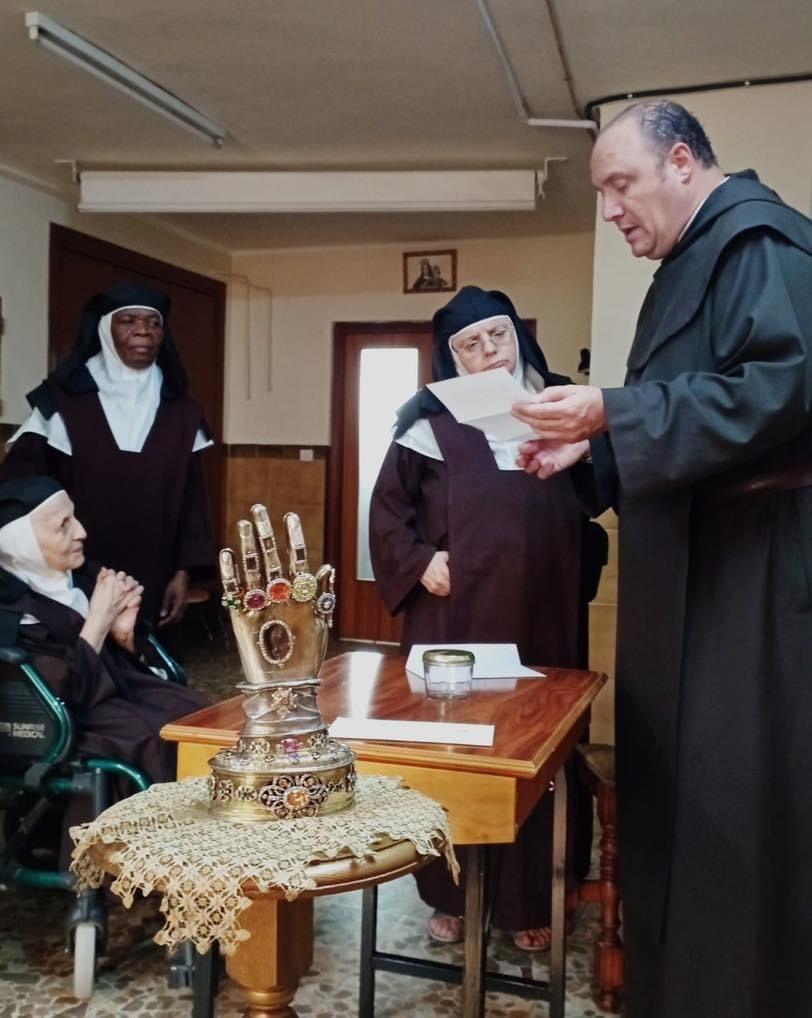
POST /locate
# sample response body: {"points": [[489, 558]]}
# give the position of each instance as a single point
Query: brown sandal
{"points": [[540, 938]]}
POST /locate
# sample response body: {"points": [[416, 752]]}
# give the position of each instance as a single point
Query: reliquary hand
{"points": [[280, 621]]}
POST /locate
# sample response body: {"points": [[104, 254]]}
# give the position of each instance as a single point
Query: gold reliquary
{"points": [[284, 764]]}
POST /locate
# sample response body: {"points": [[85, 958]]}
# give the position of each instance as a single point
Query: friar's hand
{"points": [[544, 459], [175, 597], [436, 578], [564, 413]]}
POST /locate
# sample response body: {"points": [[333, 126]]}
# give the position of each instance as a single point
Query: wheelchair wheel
{"points": [[84, 960]]}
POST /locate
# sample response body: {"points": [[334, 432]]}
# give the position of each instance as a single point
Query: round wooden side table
{"points": [[270, 963]]}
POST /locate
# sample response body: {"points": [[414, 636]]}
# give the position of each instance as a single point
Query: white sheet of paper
{"points": [[491, 660], [380, 730], [484, 400]]}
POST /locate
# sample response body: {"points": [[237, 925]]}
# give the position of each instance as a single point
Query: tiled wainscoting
{"points": [[276, 476]]}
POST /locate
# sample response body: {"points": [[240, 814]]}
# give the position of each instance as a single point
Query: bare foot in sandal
{"points": [[538, 939], [445, 929]]}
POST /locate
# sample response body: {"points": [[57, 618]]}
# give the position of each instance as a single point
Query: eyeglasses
{"points": [[475, 345]]}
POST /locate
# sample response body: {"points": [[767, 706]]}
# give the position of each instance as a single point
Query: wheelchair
{"points": [[39, 768]]}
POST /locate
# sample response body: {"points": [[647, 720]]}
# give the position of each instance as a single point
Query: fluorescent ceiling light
{"points": [[368, 191], [113, 72]]}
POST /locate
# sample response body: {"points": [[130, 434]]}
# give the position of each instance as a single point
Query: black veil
{"points": [[71, 373]]}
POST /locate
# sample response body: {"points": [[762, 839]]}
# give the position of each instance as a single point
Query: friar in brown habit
{"points": [[705, 453]]}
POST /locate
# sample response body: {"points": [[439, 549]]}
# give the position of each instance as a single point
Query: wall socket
{"points": [[306, 455]]}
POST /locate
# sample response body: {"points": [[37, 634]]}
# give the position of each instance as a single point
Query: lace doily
{"points": [[165, 838]]}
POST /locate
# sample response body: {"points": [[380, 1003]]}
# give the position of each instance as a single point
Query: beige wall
{"points": [[766, 128], [548, 278], [24, 239]]}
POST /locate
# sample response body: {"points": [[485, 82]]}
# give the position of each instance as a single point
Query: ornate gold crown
{"points": [[284, 764]]}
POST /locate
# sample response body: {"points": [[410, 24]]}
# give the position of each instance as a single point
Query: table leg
{"points": [[269, 965], [204, 982], [558, 945], [608, 946], [473, 963], [369, 930]]}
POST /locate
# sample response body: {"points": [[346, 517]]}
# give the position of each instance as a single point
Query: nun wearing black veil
{"points": [[77, 623], [114, 425], [469, 551]]}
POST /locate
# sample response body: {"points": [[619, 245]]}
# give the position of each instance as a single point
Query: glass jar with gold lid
{"points": [[448, 672]]}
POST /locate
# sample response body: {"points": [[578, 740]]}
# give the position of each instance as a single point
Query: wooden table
{"points": [[488, 792], [267, 967]]}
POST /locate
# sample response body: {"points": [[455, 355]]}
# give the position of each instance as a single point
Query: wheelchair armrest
{"points": [[174, 671], [13, 655]]}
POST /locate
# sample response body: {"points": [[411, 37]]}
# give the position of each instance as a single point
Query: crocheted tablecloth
{"points": [[165, 839]]}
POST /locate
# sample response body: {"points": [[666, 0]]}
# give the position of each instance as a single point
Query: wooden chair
{"points": [[597, 770]]}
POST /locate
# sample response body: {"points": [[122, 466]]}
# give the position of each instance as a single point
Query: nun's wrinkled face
{"points": [[137, 334], [61, 537], [484, 346]]}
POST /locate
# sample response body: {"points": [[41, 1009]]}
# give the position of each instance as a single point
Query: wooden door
{"points": [[81, 266], [361, 615]]}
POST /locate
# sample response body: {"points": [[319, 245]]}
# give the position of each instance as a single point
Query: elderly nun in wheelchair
{"points": [[77, 623]]}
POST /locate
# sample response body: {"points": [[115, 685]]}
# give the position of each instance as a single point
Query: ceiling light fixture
{"points": [[289, 191], [111, 71]]}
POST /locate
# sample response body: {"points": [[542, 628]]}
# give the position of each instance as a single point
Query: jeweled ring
{"points": [[304, 587], [279, 591], [253, 600], [325, 603]]}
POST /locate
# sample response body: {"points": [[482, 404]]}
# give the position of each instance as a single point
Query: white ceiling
{"points": [[373, 84]]}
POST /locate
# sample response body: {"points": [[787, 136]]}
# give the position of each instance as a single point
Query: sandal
{"points": [[541, 937], [537, 939], [445, 929]]}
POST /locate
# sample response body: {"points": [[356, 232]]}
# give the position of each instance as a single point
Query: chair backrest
{"points": [[34, 724]]}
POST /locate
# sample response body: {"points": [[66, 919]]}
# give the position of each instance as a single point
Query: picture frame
{"points": [[429, 271]]}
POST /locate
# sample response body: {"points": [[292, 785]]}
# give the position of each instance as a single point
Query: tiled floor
{"points": [[36, 973]]}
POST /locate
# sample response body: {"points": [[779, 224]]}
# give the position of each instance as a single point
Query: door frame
{"points": [[335, 463]]}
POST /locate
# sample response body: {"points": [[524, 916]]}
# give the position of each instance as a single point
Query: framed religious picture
{"points": [[429, 270]]}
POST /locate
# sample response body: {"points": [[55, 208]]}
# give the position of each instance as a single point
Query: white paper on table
{"points": [[491, 660], [380, 730], [484, 400]]}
